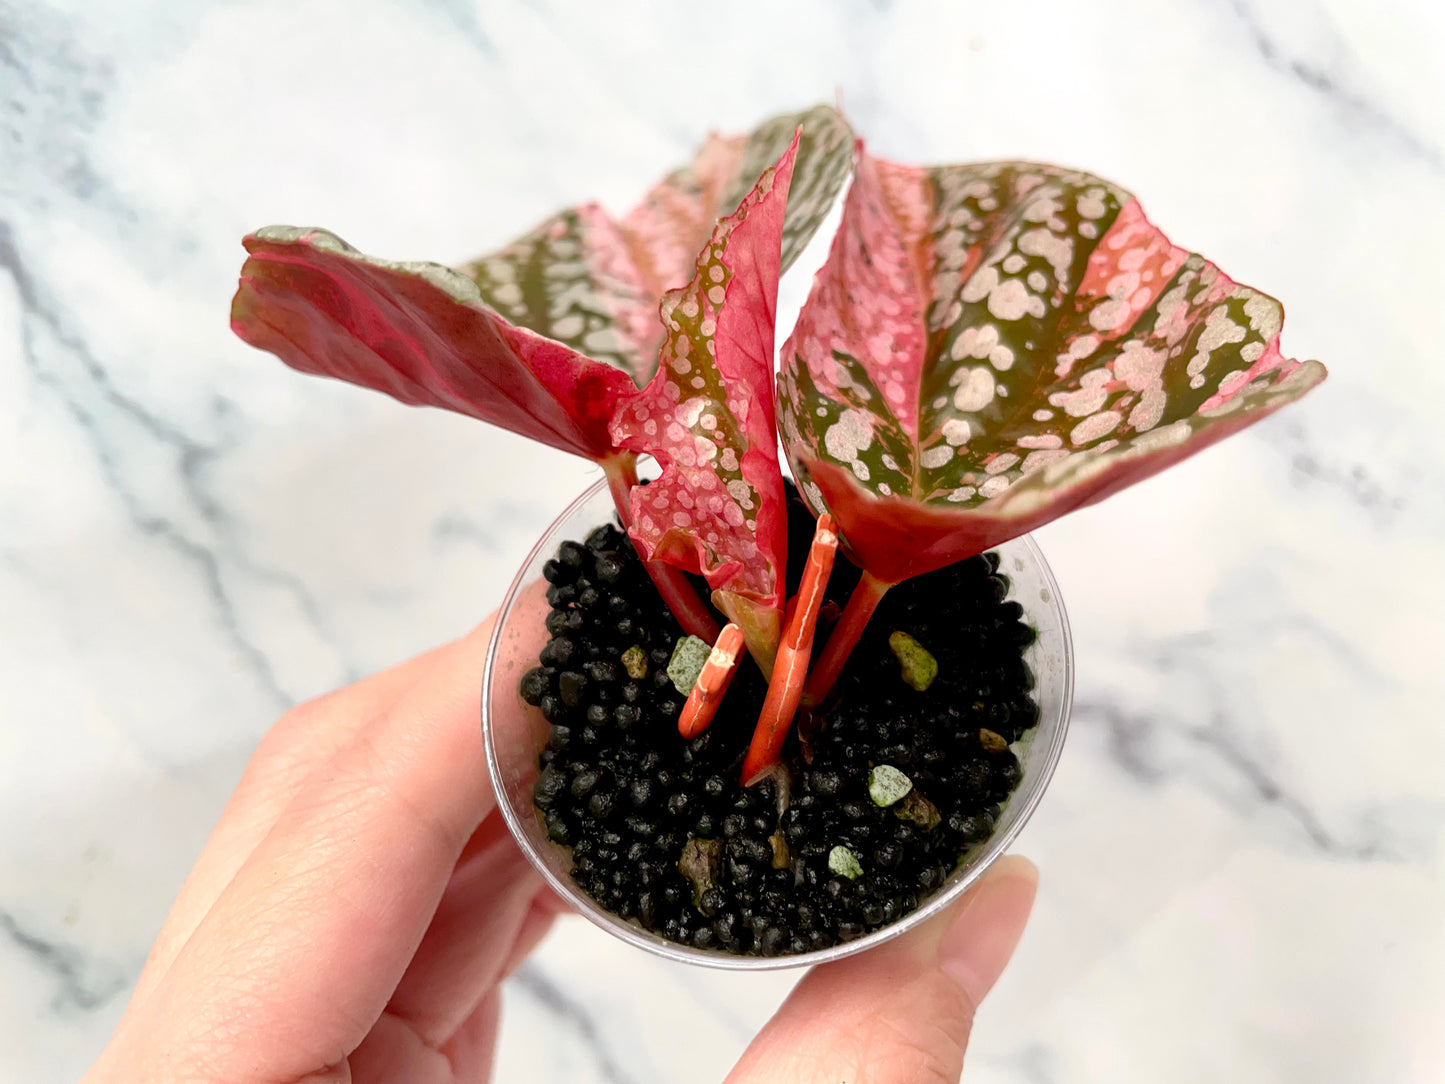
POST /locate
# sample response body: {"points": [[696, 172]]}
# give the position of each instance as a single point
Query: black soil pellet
{"points": [[626, 792]]}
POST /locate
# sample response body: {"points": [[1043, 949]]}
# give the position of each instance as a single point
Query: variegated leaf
{"points": [[665, 231], [992, 345], [708, 418], [574, 279], [825, 157], [676, 217], [420, 333], [594, 284]]}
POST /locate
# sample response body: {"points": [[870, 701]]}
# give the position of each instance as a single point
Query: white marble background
{"points": [[1241, 853]]}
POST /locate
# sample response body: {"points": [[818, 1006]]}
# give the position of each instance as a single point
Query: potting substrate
{"points": [[880, 793]]}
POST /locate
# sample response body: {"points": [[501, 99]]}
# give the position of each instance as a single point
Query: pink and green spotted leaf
{"points": [[990, 346], [546, 336], [677, 216], [420, 333], [594, 284], [575, 279], [708, 418]]}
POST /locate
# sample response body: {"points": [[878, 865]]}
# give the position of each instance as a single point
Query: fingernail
{"points": [[977, 946]]}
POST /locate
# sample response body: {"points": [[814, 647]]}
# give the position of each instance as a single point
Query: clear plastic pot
{"points": [[515, 733]]}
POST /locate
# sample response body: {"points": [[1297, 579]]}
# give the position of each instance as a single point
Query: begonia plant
{"points": [[987, 347]]}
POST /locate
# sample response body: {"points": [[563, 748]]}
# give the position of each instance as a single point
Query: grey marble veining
{"points": [[1241, 851]]}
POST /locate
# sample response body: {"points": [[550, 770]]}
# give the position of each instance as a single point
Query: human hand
{"points": [[360, 902]]}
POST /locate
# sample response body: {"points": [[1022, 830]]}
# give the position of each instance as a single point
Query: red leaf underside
{"points": [[420, 333]]}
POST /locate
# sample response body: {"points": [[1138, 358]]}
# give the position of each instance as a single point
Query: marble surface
{"points": [[1241, 853]]}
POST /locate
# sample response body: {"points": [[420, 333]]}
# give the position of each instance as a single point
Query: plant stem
{"points": [[707, 691], [621, 471], [786, 686], [762, 627], [690, 610], [685, 603], [861, 604]]}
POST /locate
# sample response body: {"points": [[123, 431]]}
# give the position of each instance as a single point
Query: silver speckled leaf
{"points": [[992, 345], [595, 284]]}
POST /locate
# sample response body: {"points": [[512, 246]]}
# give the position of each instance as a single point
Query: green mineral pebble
{"points": [[843, 862], [688, 659], [919, 667], [886, 785], [634, 661]]}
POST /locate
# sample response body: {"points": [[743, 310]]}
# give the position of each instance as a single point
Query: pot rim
{"points": [[978, 861]]}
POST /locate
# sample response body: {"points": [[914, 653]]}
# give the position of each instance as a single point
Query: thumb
{"points": [[901, 1013]]}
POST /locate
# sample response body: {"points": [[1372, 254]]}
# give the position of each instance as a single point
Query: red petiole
{"points": [[786, 687], [861, 604], [717, 674]]}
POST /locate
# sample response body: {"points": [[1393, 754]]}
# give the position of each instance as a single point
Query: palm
{"points": [[360, 902]]}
